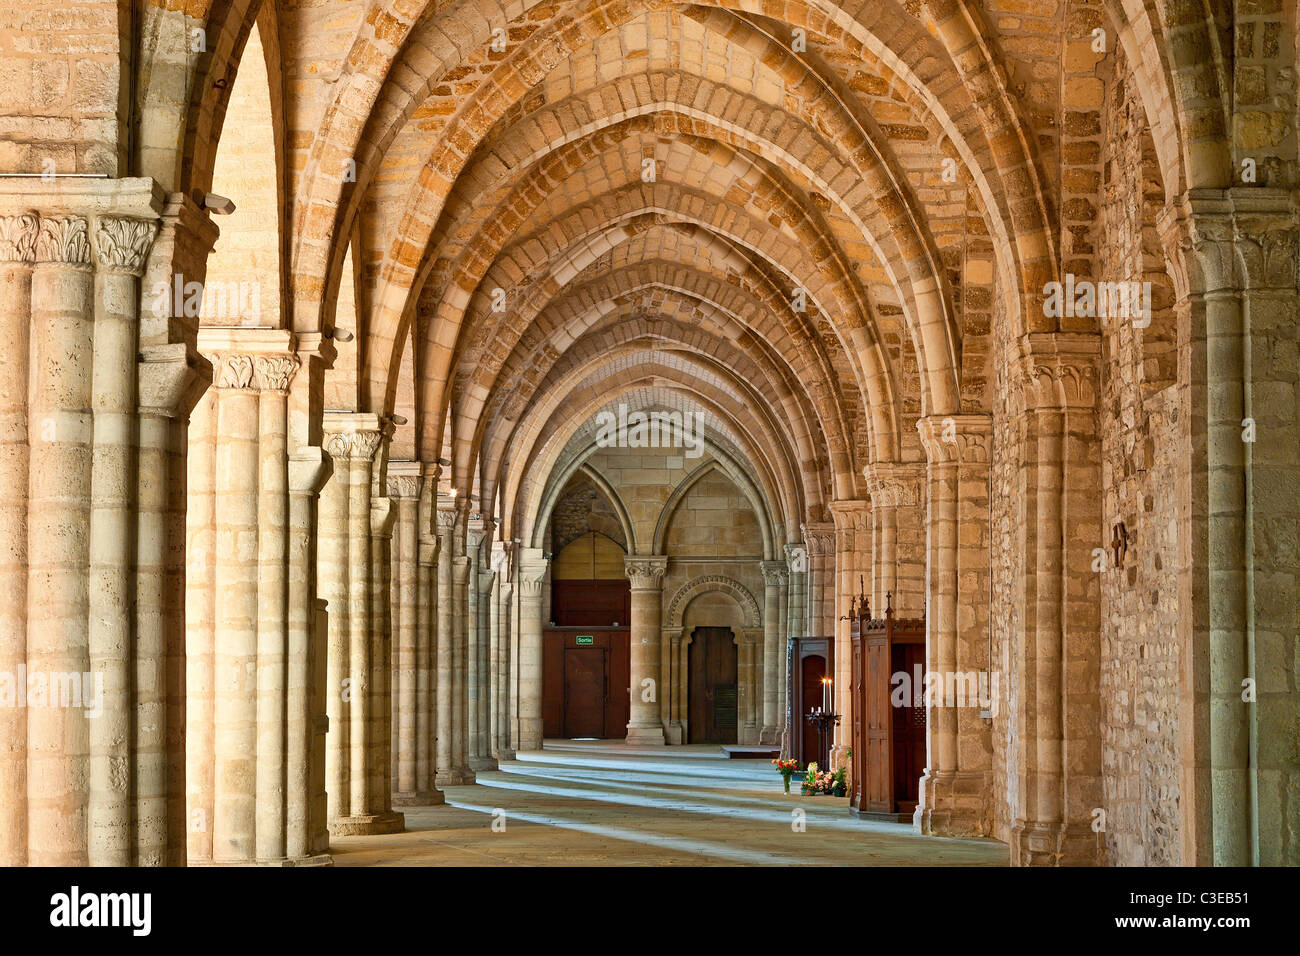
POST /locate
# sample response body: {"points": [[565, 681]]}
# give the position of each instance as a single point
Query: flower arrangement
{"points": [[818, 782], [786, 768]]}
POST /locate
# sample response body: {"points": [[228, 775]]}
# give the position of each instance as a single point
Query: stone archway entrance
{"points": [[713, 679]]}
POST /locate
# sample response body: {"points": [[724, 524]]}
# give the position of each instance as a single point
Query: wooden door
{"points": [[584, 692], [879, 784], [713, 665], [909, 731], [813, 670]]}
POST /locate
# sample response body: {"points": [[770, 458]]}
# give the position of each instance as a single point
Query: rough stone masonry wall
{"points": [[1139, 617], [1005, 564]]}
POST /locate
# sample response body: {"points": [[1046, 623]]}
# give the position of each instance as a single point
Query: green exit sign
{"points": [[586, 639]]}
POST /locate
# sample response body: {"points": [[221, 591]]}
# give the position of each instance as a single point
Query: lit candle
{"points": [[830, 695]]}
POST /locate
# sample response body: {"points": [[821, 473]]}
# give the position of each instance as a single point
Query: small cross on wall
{"points": [[1118, 544]]}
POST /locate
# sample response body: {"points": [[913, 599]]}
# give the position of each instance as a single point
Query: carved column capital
{"points": [[646, 571], [122, 245], [353, 446], [63, 239], [775, 573], [819, 537], [956, 438], [895, 484], [273, 373], [444, 520], [1061, 368], [532, 572], [403, 486], [18, 237]]}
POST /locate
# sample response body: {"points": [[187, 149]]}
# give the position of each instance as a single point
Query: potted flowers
{"points": [[823, 783], [786, 768]]}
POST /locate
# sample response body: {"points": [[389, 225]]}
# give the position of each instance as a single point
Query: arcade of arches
{"points": [[987, 308]]}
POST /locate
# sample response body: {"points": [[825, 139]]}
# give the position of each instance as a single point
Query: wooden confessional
{"points": [[888, 725]]}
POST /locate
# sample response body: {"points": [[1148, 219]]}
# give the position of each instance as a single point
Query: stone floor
{"points": [[603, 803]]}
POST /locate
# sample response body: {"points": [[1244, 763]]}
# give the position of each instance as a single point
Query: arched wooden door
{"points": [[713, 665]]}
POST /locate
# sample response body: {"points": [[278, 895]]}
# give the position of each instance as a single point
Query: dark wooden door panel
{"points": [[564, 688], [584, 692], [909, 730], [713, 664], [814, 669]]}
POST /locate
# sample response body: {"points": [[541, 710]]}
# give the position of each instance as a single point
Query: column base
{"points": [[953, 805], [419, 798], [454, 778], [1054, 844], [645, 736], [504, 755], [483, 763], [319, 859], [769, 737], [367, 824]]}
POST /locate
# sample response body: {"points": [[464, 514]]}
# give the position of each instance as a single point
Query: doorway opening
{"points": [[713, 665]]}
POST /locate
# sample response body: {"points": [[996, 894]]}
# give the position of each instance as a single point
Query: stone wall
{"points": [[1006, 562], [1138, 416]]}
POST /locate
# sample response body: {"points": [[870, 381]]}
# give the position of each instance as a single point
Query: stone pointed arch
{"points": [[713, 582], [736, 477]]}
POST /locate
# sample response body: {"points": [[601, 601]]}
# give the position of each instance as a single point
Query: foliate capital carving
{"points": [[403, 486], [354, 445], [476, 528], [956, 438], [63, 239], [530, 584], [274, 372], [895, 484], [819, 537], [646, 571], [775, 573], [231, 370], [1061, 369], [1267, 249], [18, 237], [122, 245], [444, 520]]}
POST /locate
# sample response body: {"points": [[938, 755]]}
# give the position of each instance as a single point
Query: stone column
{"points": [[412, 782], [1059, 747], [383, 518], [347, 569], [647, 574], [853, 564], [250, 614], [486, 590], [476, 677], [819, 544], [306, 835], [1233, 259], [60, 442], [898, 536], [796, 626], [675, 666], [532, 575], [460, 567], [76, 787], [498, 629], [774, 583], [749, 694], [954, 791], [445, 518], [426, 638]]}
